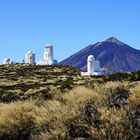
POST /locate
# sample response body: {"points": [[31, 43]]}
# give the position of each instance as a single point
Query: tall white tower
{"points": [[48, 54], [30, 57], [93, 67], [90, 64], [6, 61]]}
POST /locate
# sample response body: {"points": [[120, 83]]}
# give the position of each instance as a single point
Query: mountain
{"points": [[114, 56]]}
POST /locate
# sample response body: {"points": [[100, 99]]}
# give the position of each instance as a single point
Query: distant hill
{"points": [[114, 55]]}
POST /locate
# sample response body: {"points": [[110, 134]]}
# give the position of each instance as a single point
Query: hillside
{"points": [[56, 103], [24, 81], [114, 55]]}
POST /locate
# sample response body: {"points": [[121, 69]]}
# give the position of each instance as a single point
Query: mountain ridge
{"points": [[113, 54]]}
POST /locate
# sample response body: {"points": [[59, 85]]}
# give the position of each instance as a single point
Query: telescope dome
{"points": [[29, 52], [6, 61], [91, 58]]}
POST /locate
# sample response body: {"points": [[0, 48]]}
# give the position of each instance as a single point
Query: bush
{"points": [[118, 97], [76, 131], [17, 122], [91, 114]]}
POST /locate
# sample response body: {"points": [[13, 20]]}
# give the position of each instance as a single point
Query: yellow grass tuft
{"points": [[134, 98]]}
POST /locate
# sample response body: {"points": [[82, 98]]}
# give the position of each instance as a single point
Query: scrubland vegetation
{"points": [[56, 103]]}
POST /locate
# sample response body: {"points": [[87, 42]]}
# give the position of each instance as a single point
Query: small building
{"points": [[7, 61], [93, 67], [48, 56], [30, 57]]}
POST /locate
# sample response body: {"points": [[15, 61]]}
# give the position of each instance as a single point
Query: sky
{"points": [[69, 25]]}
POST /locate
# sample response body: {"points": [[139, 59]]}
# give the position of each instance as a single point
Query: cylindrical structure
{"points": [[96, 66], [30, 57], [48, 55], [90, 66]]}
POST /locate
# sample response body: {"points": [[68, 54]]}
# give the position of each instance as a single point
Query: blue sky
{"points": [[69, 25]]}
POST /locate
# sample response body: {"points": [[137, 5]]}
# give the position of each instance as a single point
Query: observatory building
{"points": [[48, 56], [93, 67], [30, 57], [6, 61]]}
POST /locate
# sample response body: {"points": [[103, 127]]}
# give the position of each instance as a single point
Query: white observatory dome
{"points": [[91, 58], [29, 52], [93, 67], [6, 61], [30, 57]]}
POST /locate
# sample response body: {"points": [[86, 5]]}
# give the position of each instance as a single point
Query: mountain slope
{"points": [[113, 54]]}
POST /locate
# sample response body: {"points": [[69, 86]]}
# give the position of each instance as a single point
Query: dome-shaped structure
{"points": [[29, 52], [30, 57], [93, 66], [6, 61], [91, 58]]}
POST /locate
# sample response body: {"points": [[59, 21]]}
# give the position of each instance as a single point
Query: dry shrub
{"points": [[61, 117], [16, 121], [64, 108], [110, 87], [134, 98], [26, 120], [112, 124], [113, 93], [84, 94]]}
